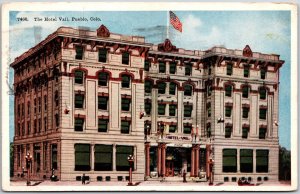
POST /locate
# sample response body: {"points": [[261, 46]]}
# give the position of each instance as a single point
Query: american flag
{"points": [[174, 20]]}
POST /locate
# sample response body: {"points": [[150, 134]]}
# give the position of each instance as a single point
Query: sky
{"points": [[264, 31]]}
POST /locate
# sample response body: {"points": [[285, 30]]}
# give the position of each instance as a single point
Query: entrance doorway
{"points": [[169, 168]]}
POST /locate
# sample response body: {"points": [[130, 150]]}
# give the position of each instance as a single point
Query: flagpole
{"points": [[168, 23]]}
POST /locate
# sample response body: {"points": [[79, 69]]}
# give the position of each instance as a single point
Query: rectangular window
{"points": [[102, 102], [79, 124], [102, 79], [263, 73], [28, 127], [228, 131], [262, 94], [82, 157], [246, 160], [262, 160], [40, 124], [172, 110], [161, 88], [208, 130], [45, 103], [125, 81], [229, 69], [262, 113], [102, 55], [148, 107], [35, 126], [78, 77], [28, 108], [172, 128], [148, 86], [162, 67], [245, 112], [102, 125], [245, 131], [228, 90], [54, 156], [35, 106], [45, 124], [125, 58], [172, 67], [79, 52], [125, 127], [229, 160], [188, 111], [103, 157], [79, 100], [246, 70], [161, 109], [228, 110], [262, 133], [245, 92], [172, 88], [146, 65], [209, 110], [122, 153], [187, 129], [126, 104], [188, 69]]}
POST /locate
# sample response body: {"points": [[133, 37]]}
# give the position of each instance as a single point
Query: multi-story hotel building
{"points": [[85, 100]]}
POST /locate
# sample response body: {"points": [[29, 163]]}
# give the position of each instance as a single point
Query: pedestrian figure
{"points": [[83, 179], [184, 176]]}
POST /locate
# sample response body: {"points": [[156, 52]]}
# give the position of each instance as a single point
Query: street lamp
{"points": [[130, 159], [28, 159]]}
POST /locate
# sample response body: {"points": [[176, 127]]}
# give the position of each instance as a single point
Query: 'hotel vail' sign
{"points": [[180, 138]]}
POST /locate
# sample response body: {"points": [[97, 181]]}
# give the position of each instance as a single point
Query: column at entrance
{"points": [[192, 161], [147, 152], [197, 149], [159, 159], [163, 158]]}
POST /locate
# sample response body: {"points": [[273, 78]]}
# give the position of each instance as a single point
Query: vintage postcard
{"points": [[149, 97]]}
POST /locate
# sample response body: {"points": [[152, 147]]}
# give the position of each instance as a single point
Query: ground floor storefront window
{"points": [[122, 153], [229, 160], [103, 157], [262, 160], [82, 157], [246, 160]]}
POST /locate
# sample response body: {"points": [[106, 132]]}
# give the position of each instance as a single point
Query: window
{"points": [[188, 110], [229, 69], [19, 110], [79, 52], [172, 67], [147, 128], [125, 127], [34, 107], [78, 77], [125, 81], [228, 110], [262, 113], [102, 79], [161, 109], [34, 126], [82, 157], [245, 112], [208, 109], [161, 87], [188, 90], [28, 127], [209, 90], [56, 99], [187, 129], [246, 160], [45, 124], [126, 104], [246, 70], [102, 102], [208, 130], [28, 107], [54, 156], [229, 160], [45, 104], [125, 58], [209, 71], [262, 93], [263, 73], [57, 120], [228, 130], [103, 157], [172, 88], [148, 107], [172, 110], [122, 153], [188, 69], [172, 128], [245, 92], [228, 90], [147, 65], [102, 55], [162, 67], [148, 86], [102, 125], [262, 160], [79, 100], [79, 124], [262, 133], [245, 131]]}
